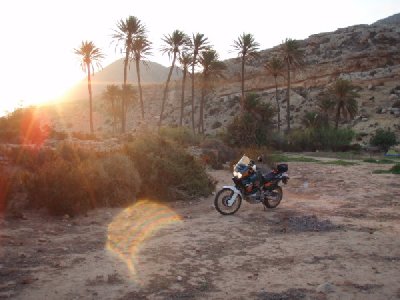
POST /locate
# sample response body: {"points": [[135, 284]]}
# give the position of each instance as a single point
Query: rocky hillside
{"points": [[368, 55]]}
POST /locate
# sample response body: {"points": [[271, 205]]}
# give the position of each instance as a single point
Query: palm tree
{"points": [[140, 49], [344, 95], [198, 43], [275, 68], [325, 105], [90, 55], [111, 94], [293, 57], [185, 60], [212, 68], [127, 31], [246, 46], [129, 92], [174, 44]]}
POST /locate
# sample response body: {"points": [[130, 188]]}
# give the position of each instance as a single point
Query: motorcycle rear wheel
{"points": [[221, 202], [273, 201]]}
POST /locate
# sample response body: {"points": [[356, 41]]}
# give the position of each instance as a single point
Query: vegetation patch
{"points": [[286, 158], [393, 170], [338, 162], [379, 161], [168, 172]]}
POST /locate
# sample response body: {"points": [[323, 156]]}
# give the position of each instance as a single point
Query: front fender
{"points": [[236, 193]]}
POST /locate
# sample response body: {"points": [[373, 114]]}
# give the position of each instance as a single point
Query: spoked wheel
{"points": [[274, 198], [223, 202]]}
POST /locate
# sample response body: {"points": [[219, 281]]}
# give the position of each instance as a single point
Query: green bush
{"points": [[123, 180], [324, 138], [253, 127], [383, 139], [168, 172], [60, 187], [75, 181], [395, 169], [181, 135]]}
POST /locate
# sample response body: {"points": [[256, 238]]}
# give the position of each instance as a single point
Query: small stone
{"points": [[179, 278], [325, 288], [28, 280], [42, 240]]}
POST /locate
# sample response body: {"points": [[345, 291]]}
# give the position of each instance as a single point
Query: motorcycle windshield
{"points": [[242, 165], [244, 160]]}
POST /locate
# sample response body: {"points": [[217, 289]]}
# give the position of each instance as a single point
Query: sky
{"points": [[38, 64]]}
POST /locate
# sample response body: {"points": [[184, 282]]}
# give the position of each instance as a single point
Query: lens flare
{"points": [[31, 130], [133, 226]]}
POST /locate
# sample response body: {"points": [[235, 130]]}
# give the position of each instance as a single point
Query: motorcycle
{"points": [[253, 186]]}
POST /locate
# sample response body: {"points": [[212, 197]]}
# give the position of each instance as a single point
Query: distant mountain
{"points": [[150, 73], [392, 20]]}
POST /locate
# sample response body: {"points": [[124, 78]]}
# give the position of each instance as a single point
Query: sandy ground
{"points": [[334, 236]]}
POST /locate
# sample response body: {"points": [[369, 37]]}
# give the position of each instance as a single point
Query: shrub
{"points": [[324, 138], [181, 135], [29, 158], [216, 153], [253, 126], [383, 139], [395, 169], [60, 187], [333, 139], [123, 180], [22, 126], [75, 181], [168, 172]]}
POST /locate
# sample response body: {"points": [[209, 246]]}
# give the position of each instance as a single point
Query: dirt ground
{"points": [[334, 236]]}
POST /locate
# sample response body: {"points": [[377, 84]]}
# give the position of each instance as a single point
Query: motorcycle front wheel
{"points": [[222, 205], [274, 198]]}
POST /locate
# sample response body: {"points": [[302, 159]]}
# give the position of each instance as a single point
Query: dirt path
{"points": [[334, 236]]}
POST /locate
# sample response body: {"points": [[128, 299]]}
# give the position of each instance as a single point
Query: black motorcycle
{"points": [[253, 186]]}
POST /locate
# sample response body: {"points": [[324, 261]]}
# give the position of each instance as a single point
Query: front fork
{"points": [[236, 193]]}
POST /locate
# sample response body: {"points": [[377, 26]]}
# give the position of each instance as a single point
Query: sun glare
{"points": [[128, 232], [37, 88]]}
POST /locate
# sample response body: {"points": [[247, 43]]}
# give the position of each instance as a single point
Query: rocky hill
{"points": [[150, 73], [368, 55]]}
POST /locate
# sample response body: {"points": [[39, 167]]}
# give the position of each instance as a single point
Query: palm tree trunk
{"points": [[123, 116], [166, 91], [90, 100], [140, 87], [277, 105], [288, 98], [201, 119], [113, 114], [337, 116], [194, 60], [242, 79], [182, 96]]}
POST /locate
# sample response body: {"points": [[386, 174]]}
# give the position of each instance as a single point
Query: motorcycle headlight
{"points": [[237, 174]]}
